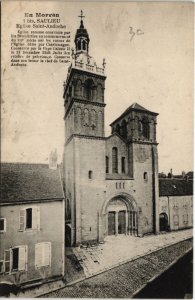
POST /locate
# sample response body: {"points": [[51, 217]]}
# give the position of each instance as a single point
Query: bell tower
{"points": [[84, 90], [84, 149]]}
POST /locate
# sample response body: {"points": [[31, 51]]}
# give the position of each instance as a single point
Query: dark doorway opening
{"points": [[121, 222], [68, 235], [111, 223], [163, 222]]}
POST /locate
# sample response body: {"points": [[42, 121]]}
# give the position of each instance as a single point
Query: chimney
{"points": [[53, 159], [183, 173]]}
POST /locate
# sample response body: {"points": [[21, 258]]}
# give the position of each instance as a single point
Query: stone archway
{"points": [[121, 215], [117, 217]]}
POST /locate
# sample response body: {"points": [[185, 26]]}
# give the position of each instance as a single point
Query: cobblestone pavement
{"points": [[121, 248], [124, 280]]}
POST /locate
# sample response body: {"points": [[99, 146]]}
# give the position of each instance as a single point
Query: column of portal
{"points": [[126, 222], [116, 222]]}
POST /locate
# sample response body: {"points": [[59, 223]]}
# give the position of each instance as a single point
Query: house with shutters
{"points": [[175, 204], [31, 224]]}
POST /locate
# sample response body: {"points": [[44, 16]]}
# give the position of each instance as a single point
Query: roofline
{"points": [[134, 109], [175, 195], [31, 201], [115, 133]]}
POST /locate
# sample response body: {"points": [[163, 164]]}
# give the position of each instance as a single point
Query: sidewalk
{"points": [[120, 249]]}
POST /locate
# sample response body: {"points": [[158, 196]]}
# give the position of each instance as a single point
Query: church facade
{"points": [[111, 183]]}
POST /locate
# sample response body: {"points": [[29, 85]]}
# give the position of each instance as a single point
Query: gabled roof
{"points": [[134, 106], [28, 182], [118, 135], [175, 187]]}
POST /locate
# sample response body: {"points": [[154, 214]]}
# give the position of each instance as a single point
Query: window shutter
{"points": [[47, 254], [7, 261], [42, 254], [22, 258], [38, 255], [36, 217], [22, 219]]}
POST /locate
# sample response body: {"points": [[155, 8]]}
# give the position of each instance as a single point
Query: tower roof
{"points": [[81, 32], [136, 107]]}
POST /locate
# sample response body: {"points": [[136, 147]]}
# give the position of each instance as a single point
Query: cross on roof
{"points": [[81, 16]]}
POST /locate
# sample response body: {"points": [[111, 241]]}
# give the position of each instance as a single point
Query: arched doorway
{"points": [[121, 217], [163, 222]]}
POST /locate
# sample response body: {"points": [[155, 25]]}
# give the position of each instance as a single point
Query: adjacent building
{"points": [[175, 204], [31, 224]]}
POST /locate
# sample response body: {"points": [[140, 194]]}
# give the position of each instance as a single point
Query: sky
{"points": [[154, 69]]}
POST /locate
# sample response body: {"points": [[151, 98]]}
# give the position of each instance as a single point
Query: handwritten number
{"points": [[133, 32]]}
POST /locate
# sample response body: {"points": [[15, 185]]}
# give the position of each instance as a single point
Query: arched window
{"points": [[89, 89], [114, 160], [99, 92], [90, 174], [145, 176], [145, 128], [84, 45], [123, 164], [124, 129], [86, 117], [107, 164], [78, 88], [79, 45], [100, 123], [78, 118], [118, 128], [176, 220], [140, 126], [93, 119]]}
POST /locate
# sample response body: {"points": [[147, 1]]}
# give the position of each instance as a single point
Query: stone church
{"points": [[111, 183]]}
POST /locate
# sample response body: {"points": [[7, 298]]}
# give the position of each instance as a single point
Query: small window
{"points": [[107, 164], [185, 219], [30, 218], [114, 160], [145, 176], [42, 255], [120, 185], [116, 185], [90, 174], [15, 259], [123, 164], [2, 224]]}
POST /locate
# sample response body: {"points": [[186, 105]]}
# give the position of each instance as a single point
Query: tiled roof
{"points": [[175, 187], [190, 174], [28, 182], [134, 106]]}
